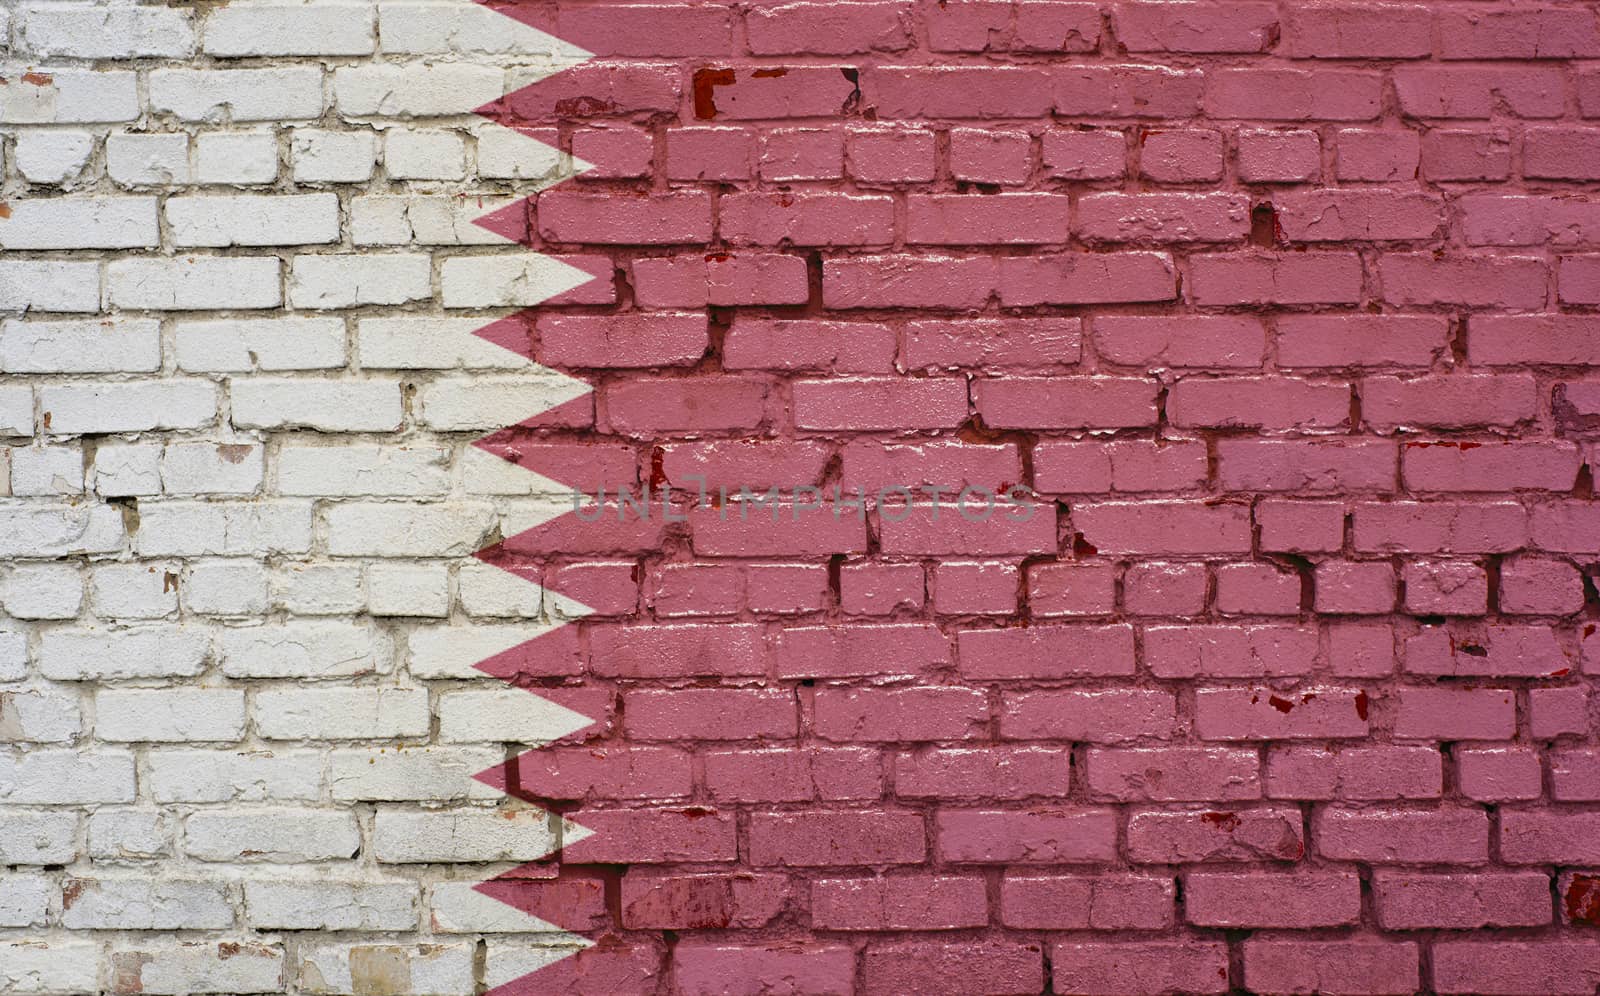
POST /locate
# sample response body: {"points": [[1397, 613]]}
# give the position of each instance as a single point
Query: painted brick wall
{"points": [[1285, 310]]}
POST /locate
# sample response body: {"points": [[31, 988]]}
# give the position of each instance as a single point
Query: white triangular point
{"points": [[432, 342], [453, 651], [509, 281], [525, 515], [453, 27], [431, 31], [572, 833], [486, 474], [513, 154], [562, 607], [459, 908], [508, 964]]}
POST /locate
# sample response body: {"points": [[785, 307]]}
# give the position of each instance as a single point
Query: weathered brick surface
{"points": [[1285, 311]]}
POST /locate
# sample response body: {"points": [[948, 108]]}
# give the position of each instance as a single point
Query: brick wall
{"points": [[1285, 310]]}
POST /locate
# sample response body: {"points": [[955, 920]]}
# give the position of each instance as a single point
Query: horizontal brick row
{"points": [[936, 281], [1028, 900], [1191, 963], [888, 26], [959, 88], [872, 156], [814, 218], [847, 346], [747, 529], [836, 715], [748, 401], [1294, 30]]}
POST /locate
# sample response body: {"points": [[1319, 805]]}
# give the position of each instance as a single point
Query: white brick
{"points": [[46, 470], [363, 470], [16, 410], [52, 157], [253, 220], [428, 343], [333, 156], [96, 653], [13, 655], [157, 968], [324, 905], [148, 160], [424, 154], [426, 774], [346, 281], [129, 834], [169, 715], [81, 223], [387, 220], [506, 281], [39, 471], [415, 90], [290, 29], [304, 650], [134, 591], [194, 283], [226, 588], [318, 589], [43, 591], [81, 346], [326, 405], [215, 468], [234, 776], [408, 590], [49, 285], [25, 900], [103, 31], [65, 777], [122, 469], [34, 530], [380, 221], [382, 530], [37, 837], [54, 966], [236, 157], [134, 406], [217, 529], [278, 94], [467, 835], [276, 835], [241, 345], [145, 904], [69, 96], [341, 713], [487, 403], [408, 969], [39, 716]]}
